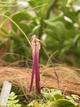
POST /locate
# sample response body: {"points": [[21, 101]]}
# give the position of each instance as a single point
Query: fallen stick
{"points": [[5, 93]]}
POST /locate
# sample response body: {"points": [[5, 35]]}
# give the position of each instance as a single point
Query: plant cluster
{"points": [[48, 98], [13, 101], [55, 22]]}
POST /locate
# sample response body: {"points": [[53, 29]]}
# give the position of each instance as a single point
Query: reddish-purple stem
{"points": [[37, 74], [35, 65]]}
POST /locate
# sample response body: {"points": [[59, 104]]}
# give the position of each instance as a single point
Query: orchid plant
{"points": [[35, 64]]}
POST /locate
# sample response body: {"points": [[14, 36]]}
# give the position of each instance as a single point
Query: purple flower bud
{"points": [[35, 64]]}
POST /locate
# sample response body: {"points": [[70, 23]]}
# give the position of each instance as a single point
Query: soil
{"points": [[59, 77]]}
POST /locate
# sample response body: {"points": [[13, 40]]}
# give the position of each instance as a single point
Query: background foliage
{"points": [[55, 22]]}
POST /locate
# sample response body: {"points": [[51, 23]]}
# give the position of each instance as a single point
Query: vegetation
{"points": [[56, 23], [48, 98], [13, 101]]}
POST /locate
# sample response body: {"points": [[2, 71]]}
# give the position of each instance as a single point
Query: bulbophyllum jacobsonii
{"points": [[35, 64]]}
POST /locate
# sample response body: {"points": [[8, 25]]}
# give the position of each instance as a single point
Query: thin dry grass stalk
{"points": [[68, 78]]}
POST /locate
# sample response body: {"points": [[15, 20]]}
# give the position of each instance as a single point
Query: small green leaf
{"points": [[63, 103]]}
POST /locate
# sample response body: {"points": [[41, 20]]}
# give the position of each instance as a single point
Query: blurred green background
{"points": [[55, 22]]}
